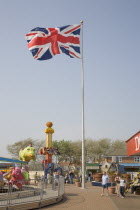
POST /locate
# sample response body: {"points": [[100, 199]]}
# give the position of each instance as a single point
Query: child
{"points": [[122, 186], [66, 178]]}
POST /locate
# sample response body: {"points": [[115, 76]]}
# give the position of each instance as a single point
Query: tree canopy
{"points": [[72, 150], [69, 151], [13, 149]]}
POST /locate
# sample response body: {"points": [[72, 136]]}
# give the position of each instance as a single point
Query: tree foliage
{"points": [[72, 150], [13, 149], [118, 144], [96, 149], [69, 151]]}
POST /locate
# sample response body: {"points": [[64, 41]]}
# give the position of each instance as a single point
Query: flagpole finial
{"points": [[81, 21]]}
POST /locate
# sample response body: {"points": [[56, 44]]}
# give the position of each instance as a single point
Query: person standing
{"points": [[117, 181], [71, 176], [56, 177], [36, 178], [135, 185], [66, 179], [122, 186], [49, 178], [89, 177], [105, 179]]}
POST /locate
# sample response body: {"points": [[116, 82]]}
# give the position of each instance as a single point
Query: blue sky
{"points": [[33, 92]]}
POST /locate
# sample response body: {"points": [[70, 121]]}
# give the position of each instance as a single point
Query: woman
{"points": [[117, 181], [135, 185]]}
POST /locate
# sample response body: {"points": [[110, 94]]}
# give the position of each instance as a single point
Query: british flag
{"points": [[44, 43]]}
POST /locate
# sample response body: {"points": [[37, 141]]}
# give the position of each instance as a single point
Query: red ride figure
{"points": [[17, 178]]}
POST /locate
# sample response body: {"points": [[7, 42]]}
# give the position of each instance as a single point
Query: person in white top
{"points": [[105, 179], [117, 182], [122, 186]]}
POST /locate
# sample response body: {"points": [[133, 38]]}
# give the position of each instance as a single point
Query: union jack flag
{"points": [[44, 43]]}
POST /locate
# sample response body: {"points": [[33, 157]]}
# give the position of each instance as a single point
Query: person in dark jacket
{"points": [[71, 176]]}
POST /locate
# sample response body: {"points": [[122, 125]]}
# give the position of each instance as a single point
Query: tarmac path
{"points": [[87, 199], [130, 202]]}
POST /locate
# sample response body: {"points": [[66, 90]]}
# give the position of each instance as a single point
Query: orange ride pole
{"points": [[49, 131]]}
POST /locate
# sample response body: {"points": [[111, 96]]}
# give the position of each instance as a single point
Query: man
{"points": [[122, 186], [105, 179]]}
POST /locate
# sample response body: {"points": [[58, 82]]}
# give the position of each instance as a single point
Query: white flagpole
{"points": [[83, 126]]}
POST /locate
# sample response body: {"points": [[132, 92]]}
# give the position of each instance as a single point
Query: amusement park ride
{"points": [[17, 174], [48, 151], [18, 190]]}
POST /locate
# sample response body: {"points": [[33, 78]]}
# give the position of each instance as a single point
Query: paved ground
{"points": [[130, 202], [90, 199]]}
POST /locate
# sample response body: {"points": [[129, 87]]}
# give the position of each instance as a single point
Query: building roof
{"points": [[118, 152], [133, 136]]}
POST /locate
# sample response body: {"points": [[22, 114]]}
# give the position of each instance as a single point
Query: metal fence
{"points": [[36, 190]]}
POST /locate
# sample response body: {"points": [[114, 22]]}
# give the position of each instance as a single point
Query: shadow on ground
{"points": [[69, 199], [71, 194], [128, 203]]}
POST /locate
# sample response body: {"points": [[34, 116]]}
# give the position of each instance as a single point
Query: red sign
{"points": [[133, 145]]}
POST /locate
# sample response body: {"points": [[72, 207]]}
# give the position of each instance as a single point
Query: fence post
{"points": [[41, 191], [53, 184], [59, 185], [63, 186], [9, 194]]}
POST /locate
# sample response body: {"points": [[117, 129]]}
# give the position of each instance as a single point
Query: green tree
{"points": [[118, 144], [77, 152], [65, 148], [13, 149], [95, 149], [72, 150]]}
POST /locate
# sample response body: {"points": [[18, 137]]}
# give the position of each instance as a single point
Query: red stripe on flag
{"points": [[31, 34], [36, 56], [53, 39], [64, 46], [73, 54], [55, 48], [69, 39], [73, 29], [51, 29], [70, 51]]}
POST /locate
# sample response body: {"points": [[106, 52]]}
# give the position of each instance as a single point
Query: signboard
{"points": [[92, 167], [133, 145]]}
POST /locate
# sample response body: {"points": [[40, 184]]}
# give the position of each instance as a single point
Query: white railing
{"points": [[36, 190]]}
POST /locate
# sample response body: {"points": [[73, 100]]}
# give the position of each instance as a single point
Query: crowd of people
{"points": [[69, 177], [120, 184], [135, 185]]}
